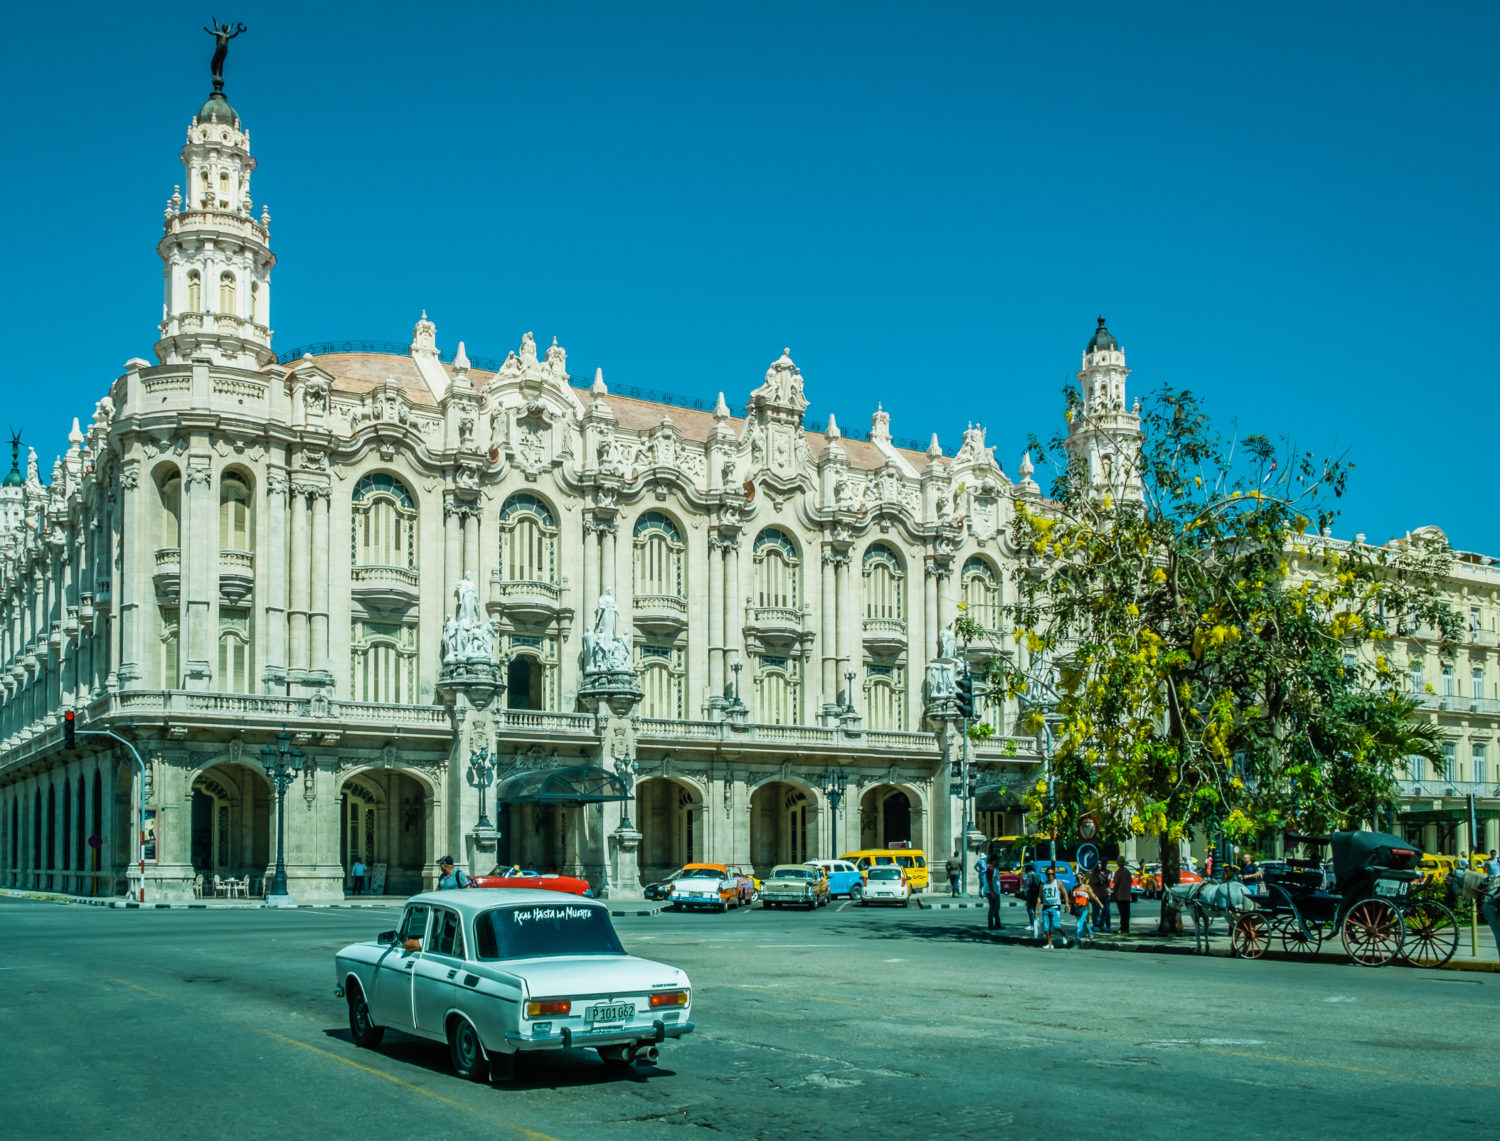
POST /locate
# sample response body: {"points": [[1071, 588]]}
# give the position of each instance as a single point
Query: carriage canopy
{"points": [[1357, 852]]}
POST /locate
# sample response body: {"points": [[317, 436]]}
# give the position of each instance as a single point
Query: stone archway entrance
{"points": [[889, 815], [669, 815], [549, 816], [384, 818], [231, 823], [783, 825]]}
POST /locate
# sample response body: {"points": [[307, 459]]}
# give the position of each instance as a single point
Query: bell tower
{"points": [[216, 255], [1104, 435]]}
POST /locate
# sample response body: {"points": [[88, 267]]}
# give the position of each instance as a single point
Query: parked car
{"points": [[662, 889], [516, 876], [887, 885], [708, 886], [912, 861], [795, 885], [749, 886], [843, 878], [1149, 881], [498, 971]]}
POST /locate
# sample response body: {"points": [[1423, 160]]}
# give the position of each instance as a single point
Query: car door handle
{"points": [[453, 972], [411, 964]]}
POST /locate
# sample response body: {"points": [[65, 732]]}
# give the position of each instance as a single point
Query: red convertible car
{"points": [[516, 877]]}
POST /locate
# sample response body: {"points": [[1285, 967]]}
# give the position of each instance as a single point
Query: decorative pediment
{"points": [[782, 389]]}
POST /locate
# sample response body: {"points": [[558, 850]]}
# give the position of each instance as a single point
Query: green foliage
{"points": [[1213, 659]]}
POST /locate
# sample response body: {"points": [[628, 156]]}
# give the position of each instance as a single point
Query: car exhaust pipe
{"points": [[646, 1053]]}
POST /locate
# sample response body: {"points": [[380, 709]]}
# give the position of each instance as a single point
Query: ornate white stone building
{"points": [[397, 555]]}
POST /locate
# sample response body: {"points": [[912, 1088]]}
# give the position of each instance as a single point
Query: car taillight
{"points": [[550, 1006], [670, 998]]}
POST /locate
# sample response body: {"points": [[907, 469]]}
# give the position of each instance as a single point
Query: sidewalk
{"points": [[627, 907]]}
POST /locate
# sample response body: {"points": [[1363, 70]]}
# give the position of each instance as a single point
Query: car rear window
{"points": [[885, 873], [536, 929], [793, 873]]}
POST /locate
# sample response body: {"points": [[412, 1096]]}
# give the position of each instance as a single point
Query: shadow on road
{"points": [[549, 1070]]}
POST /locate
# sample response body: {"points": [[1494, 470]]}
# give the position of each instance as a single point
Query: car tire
{"points": [[365, 1033], [465, 1052], [856, 894]]}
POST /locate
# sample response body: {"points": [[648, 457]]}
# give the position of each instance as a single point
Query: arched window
{"points": [[659, 557], [528, 541], [981, 590], [884, 583], [194, 291], [226, 292], [885, 697], [777, 570], [236, 519], [169, 490], [383, 665], [663, 678], [255, 303], [524, 683], [385, 523], [778, 691], [234, 650]]}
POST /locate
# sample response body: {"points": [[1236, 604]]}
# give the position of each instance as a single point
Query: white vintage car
{"points": [[495, 971]]}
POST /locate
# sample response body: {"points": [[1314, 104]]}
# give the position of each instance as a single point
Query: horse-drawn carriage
{"points": [[1371, 908]]}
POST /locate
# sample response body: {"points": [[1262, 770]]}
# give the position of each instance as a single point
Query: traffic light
{"points": [[965, 684], [69, 740]]}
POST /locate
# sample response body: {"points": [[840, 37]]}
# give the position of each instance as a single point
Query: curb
{"points": [[214, 905]]}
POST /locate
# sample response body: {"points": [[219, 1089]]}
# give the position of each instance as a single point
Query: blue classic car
{"points": [[843, 878]]}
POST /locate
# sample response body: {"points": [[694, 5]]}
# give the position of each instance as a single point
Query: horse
{"points": [[1209, 901]]}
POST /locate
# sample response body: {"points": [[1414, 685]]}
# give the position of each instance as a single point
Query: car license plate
{"points": [[1390, 887], [611, 1012]]}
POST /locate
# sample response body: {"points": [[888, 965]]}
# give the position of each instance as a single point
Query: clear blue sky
{"points": [[1285, 207]]}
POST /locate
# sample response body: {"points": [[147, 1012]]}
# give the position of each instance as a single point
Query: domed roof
{"points": [[1102, 341], [218, 107], [13, 478]]}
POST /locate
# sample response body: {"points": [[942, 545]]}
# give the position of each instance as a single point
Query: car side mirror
{"points": [[386, 937]]}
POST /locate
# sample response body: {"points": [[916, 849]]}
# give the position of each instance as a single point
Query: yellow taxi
{"points": [[912, 862], [1432, 869]]}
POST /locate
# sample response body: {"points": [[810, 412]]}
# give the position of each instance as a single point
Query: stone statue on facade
{"points": [[222, 33], [467, 636], [942, 671], [605, 651]]}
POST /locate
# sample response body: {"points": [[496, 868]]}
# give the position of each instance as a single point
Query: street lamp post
{"points": [[481, 776], [736, 666], [849, 676], [835, 782], [283, 764], [625, 769]]}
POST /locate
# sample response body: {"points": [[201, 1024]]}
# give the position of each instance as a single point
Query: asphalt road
{"points": [[842, 1023]]}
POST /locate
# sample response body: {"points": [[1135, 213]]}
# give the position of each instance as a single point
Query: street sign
{"points": [[96, 841], [1088, 857], [1088, 827]]}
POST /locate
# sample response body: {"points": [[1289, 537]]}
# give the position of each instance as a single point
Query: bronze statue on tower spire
{"points": [[223, 33]]}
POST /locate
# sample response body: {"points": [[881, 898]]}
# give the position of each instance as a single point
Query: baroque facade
{"points": [[636, 629]]}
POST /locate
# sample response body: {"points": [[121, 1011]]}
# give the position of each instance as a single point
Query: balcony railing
{"points": [[384, 589], [1441, 788], [659, 613], [545, 721], [168, 576], [885, 633]]}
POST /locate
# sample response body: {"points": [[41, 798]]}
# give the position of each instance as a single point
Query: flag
{"points": [[1270, 473]]}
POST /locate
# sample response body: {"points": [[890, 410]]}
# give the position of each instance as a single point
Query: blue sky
{"points": [[1284, 207]]}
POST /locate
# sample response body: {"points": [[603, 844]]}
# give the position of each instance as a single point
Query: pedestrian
{"points": [[991, 887], [1051, 896], [449, 877], [1493, 867], [1121, 895], [1489, 907], [955, 869], [357, 873], [1033, 887], [1084, 902], [1208, 866], [1250, 873], [1099, 882]]}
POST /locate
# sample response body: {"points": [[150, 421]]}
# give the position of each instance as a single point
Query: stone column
{"points": [[828, 625], [198, 608], [320, 570], [453, 551], [471, 543], [270, 567], [609, 568], [131, 588], [590, 567], [847, 629], [734, 603], [299, 604], [715, 619]]}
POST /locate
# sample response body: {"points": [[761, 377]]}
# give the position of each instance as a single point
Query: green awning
{"points": [[997, 798], [1446, 815], [578, 784]]}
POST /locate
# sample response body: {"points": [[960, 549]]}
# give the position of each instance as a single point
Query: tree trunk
{"points": [[1170, 853]]}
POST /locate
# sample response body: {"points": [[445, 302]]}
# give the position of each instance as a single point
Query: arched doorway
{"points": [[523, 683], [232, 822], [550, 816], [889, 815], [783, 825], [668, 814], [384, 819]]}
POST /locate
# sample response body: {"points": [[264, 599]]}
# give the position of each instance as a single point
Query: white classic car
{"points": [[496, 971]]}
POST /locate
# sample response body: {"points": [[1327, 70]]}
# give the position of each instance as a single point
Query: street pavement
{"points": [[839, 1023]]}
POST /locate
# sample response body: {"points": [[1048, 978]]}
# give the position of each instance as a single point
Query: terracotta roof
{"points": [[364, 372]]}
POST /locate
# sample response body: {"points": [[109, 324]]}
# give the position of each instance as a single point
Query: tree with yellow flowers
{"points": [[1214, 663]]}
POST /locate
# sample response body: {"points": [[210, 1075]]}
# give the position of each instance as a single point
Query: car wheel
{"points": [[364, 1032], [906, 902], [856, 894], [465, 1052]]}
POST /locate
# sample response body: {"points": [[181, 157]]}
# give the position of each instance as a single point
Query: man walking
{"points": [[955, 869], [1050, 898], [357, 873], [1099, 882], [1121, 895], [992, 895]]}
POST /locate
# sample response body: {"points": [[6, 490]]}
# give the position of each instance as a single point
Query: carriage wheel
{"points": [[1250, 936], [1431, 934], [1372, 932], [1301, 940]]}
